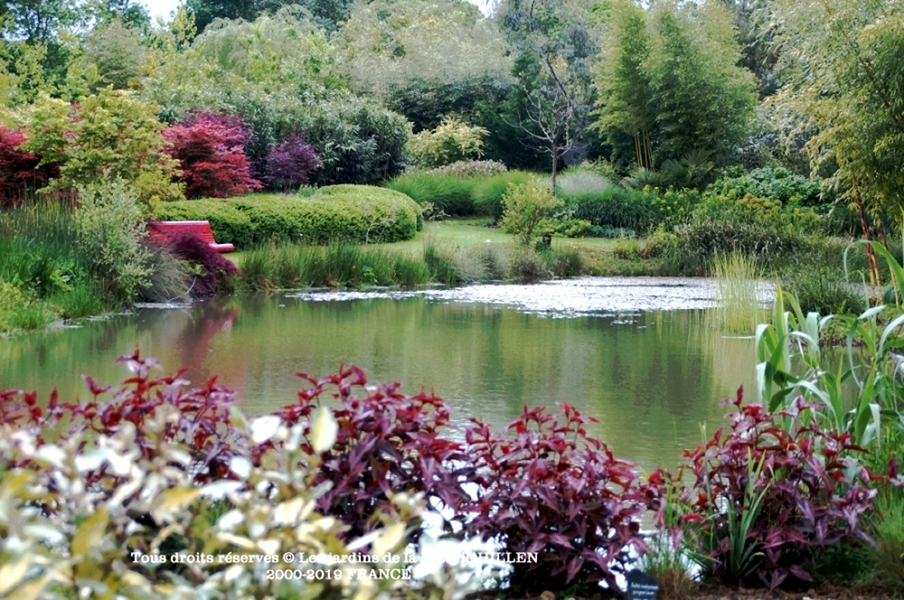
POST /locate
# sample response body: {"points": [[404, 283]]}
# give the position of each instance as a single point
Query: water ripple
{"points": [[568, 298]]}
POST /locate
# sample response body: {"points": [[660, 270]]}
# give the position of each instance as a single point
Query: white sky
{"points": [[163, 8]]}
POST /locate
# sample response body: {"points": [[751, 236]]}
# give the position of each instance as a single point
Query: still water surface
{"points": [[635, 353]]}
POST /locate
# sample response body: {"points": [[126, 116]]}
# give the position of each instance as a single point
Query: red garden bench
{"points": [[161, 231]]}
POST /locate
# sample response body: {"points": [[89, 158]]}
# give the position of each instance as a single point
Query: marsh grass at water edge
{"points": [[738, 279]]}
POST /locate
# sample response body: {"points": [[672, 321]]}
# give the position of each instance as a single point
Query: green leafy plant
{"points": [[108, 135], [528, 210], [451, 141], [675, 206], [111, 228], [852, 395]]}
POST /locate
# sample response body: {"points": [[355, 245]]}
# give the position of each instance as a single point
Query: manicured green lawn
{"points": [[474, 232]]}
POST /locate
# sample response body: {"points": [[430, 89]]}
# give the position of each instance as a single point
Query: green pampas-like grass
{"points": [[737, 278]]}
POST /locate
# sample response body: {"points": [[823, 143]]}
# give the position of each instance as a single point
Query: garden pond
{"points": [[638, 354]]}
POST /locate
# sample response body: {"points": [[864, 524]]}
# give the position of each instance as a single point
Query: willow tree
{"points": [[428, 59], [845, 81]]}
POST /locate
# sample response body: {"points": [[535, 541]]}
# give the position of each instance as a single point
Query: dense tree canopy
{"points": [[117, 53], [326, 13], [845, 77], [669, 85], [669, 80], [426, 59], [556, 45]]}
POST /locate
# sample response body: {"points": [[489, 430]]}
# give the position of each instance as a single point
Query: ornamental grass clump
{"points": [[470, 168], [738, 281]]}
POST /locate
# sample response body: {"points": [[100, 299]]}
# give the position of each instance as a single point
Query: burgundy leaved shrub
{"points": [[202, 427], [291, 163], [210, 148], [388, 442], [19, 169], [554, 490], [211, 269], [770, 494]]}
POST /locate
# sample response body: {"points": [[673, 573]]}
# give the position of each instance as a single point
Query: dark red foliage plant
{"points": [[291, 163], [210, 148], [765, 497], [18, 169], [387, 443], [202, 426], [554, 490], [212, 269]]}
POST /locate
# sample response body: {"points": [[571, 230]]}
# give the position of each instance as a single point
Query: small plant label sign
{"points": [[642, 586]]}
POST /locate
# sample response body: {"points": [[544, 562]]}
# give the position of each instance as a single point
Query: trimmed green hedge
{"points": [[347, 213]]}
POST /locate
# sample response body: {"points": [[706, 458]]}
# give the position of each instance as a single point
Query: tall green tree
{"points": [[845, 82], [669, 84], [129, 12], [555, 45], [41, 25], [755, 34], [37, 21], [626, 85], [117, 51]]}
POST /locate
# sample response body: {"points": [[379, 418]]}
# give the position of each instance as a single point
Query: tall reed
{"points": [[274, 267], [737, 279], [43, 271], [337, 266]]}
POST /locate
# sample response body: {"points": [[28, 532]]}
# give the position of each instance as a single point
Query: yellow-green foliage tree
{"points": [[389, 44], [845, 82], [450, 142], [108, 135], [279, 62]]}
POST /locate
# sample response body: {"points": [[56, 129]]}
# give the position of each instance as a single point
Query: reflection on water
{"points": [[651, 378]]}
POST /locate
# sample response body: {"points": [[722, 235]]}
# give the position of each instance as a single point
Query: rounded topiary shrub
{"points": [[346, 213]]}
